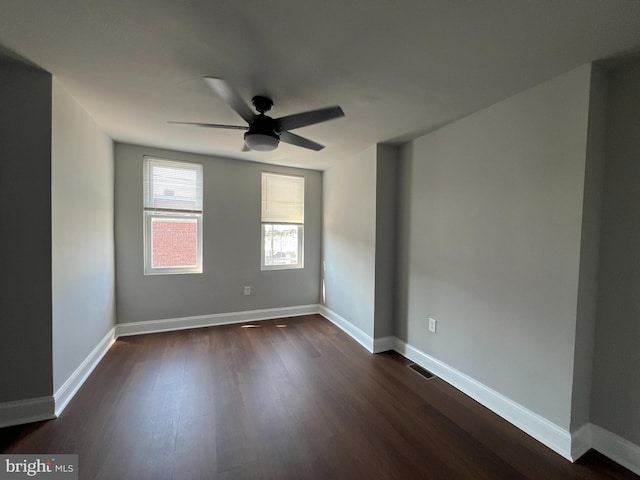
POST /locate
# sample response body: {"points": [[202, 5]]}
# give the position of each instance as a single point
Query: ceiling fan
{"points": [[264, 133]]}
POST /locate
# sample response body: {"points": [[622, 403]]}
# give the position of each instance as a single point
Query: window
{"points": [[172, 217], [282, 221]]}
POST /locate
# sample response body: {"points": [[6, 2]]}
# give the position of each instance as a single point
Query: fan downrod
{"points": [[262, 104]]}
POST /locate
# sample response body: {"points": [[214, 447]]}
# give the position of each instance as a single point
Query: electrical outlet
{"points": [[247, 290], [432, 325]]}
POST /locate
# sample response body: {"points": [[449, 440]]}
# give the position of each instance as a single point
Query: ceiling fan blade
{"points": [[229, 95], [309, 118], [211, 125], [299, 141]]}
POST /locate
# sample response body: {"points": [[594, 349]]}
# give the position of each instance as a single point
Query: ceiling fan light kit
{"points": [[260, 142], [264, 133]]}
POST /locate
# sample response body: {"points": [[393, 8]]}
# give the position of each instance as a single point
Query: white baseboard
{"points": [[27, 411], [349, 328], [383, 344], [171, 324], [546, 432], [616, 448], [580, 441], [373, 345], [66, 392]]}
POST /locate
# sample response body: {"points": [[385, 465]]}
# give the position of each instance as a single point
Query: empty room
{"points": [[382, 239]]}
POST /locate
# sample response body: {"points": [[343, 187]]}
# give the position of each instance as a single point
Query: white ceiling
{"points": [[398, 68]]}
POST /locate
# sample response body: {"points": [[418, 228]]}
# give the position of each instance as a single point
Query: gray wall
{"points": [[589, 251], [25, 242], [349, 236], [491, 218], [231, 241], [359, 239], [387, 158], [82, 235], [616, 377]]}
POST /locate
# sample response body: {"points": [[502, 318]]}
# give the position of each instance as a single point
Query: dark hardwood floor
{"points": [[282, 399]]}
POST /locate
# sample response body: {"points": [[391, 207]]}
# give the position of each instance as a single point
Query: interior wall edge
{"points": [[349, 328], [27, 410], [72, 384]]}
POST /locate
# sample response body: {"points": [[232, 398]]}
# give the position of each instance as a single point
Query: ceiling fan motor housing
{"points": [[262, 104]]}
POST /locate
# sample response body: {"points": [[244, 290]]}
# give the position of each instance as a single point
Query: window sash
{"points": [[149, 269], [173, 191], [281, 254], [283, 207]]}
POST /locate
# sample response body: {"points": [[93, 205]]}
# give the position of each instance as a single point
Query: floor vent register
{"points": [[422, 371]]}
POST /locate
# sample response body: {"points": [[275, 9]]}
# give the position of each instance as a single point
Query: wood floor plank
{"points": [[290, 398]]}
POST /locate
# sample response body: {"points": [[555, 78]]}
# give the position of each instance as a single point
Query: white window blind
{"points": [[282, 198], [172, 185]]}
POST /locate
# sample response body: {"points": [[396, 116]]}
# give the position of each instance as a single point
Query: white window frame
{"points": [[298, 225], [150, 213]]}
